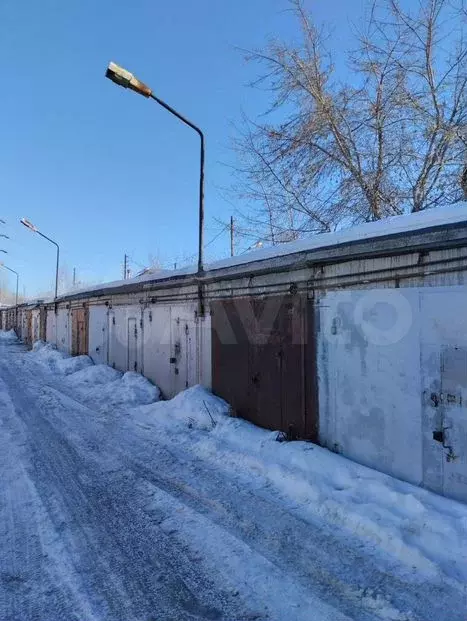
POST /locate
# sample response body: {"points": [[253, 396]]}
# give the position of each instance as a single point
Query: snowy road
{"points": [[106, 517]]}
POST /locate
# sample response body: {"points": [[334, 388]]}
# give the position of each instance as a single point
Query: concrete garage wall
{"points": [[380, 358]]}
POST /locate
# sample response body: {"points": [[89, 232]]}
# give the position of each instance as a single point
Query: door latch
{"points": [[438, 436]]}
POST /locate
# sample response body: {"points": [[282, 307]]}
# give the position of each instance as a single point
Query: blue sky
{"points": [[102, 170]]}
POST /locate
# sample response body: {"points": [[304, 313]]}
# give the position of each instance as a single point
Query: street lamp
{"points": [[34, 229], [4, 251], [5, 236], [17, 285], [126, 79]]}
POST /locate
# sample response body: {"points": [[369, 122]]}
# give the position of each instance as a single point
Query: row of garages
{"points": [[360, 346]]}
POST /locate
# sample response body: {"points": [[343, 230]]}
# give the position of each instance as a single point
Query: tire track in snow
{"points": [[30, 562], [333, 570], [143, 478], [127, 568]]}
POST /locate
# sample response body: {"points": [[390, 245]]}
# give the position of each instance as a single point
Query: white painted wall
{"points": [[63, 330], [51, 328], [98, 334], [204, 352], [444, 362], [120, 340], [23, 323], [379, 360], [176, 347], [157, 348], [35, 324], [184, 347]]}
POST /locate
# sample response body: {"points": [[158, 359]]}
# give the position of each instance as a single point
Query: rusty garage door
{"points": [[79, 328], [43, 323], [29, 336], [263, 357]]}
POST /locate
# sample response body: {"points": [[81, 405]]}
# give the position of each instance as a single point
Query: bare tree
{"points": [[388, 140], [7, 290]]}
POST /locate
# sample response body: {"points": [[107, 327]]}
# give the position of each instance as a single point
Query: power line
{"points": [[193, 256], [217, 236]]}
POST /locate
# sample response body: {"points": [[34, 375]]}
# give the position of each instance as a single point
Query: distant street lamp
{"points": [[5, 236], [34, 229], [4, 251], [126, 79], [17, 285]]}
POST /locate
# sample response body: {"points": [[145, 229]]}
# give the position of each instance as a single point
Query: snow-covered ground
{"points": [[117, 506]]}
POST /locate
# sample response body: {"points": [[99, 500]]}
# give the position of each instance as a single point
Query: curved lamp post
{"points": [[34, 229], [17, 285], [126, 79]]}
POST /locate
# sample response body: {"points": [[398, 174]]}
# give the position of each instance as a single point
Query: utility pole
{"points": [[125, 267], [232, 249]]}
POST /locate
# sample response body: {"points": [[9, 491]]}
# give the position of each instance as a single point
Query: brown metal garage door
{"points": [[263, 358], [43, 323], [79, 331], [29, 336]]}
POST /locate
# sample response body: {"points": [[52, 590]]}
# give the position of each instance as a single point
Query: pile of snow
{"points": [[404, 523], [67, 366], [194, 408], [109, 389], [8, 336], [95, 375], [46, 355], [56, 361], [105, 387]]}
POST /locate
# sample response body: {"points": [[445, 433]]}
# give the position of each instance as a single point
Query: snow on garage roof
{"points": [[440, 216], [388, 226]]}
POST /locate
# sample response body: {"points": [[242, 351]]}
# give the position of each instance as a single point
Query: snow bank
{"points": [[8, 336], [406, 524], [46, 355], [95, 375], [105, 387], [109, 389], [67, 366], [194, 408], [56, 361]]}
